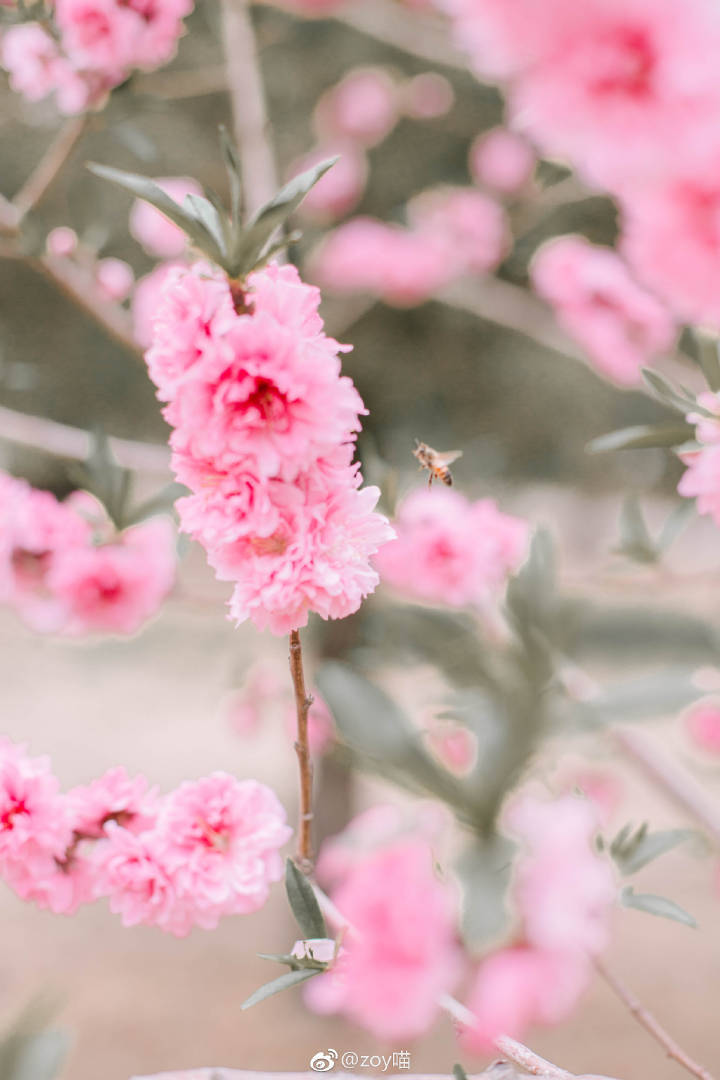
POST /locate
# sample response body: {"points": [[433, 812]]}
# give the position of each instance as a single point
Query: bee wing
{"points": [[448, 457]]}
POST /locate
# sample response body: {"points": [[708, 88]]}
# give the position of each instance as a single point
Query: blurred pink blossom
{"points": [[701, 479], [157, 234], [468, 227], [501, 160], [401, 955], [450, 550], [702, 723], [115, 279], [362, 108], [427, 96], [61, 241], [620, 325], [145, 301]]}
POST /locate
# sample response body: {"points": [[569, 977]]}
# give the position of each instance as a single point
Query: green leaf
{"points": [[145, 188], [257, 235], [631, 852], [641, 437], [673, 394], [660, 693], [656, 905], [708, 358], [459, 1073], [232, 165], [283, 982], [162, 502], [304, 903], [208, 215]]}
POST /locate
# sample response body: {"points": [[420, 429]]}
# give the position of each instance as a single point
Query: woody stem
{"points": [[303, 701]]}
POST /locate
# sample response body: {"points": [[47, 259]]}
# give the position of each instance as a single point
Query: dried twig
{"points": [[646, 1019]]}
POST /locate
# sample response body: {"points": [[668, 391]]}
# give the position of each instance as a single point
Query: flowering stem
{"points": [[303, 701], [680, 787], [247, 97], [646, 1019]]}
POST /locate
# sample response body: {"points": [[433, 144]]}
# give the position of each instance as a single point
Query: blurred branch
{"points": [[681, 788], [247, 97], [654, 1028], [424, 36], [49, 166], [528, 1060], [51, 437]]}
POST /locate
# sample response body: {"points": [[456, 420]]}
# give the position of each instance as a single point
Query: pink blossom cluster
{"points": [[628, 91], [208, 849], [95, 47], [701, 479], [621, 326], [399, 956], [451, 232], [502, 161], [263, 434], [65, 569], [563, 892], [452, 550]]}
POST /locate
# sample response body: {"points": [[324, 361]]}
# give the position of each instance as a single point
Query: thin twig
{"points": [[247, 97], [70, 442], [681, 787], [530, 1061], [654, 1028], [49, 166], [176, 85], [303, 701]]}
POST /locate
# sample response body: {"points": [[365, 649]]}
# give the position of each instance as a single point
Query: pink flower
{"points": [[31, 56], [701, 480], [97, 34], [61, 242], [115, 279], [157, 234], [467, 226], [702, 723], [501, 160], [116, 587], [671, 235], [563, 889], [139, 886], [114, 796], [362, 108], [620, 325], [450, 550], [221, 839], [519, 986], [401, 955], [340, 189], [264, 425], [388, 261], [707, 428], [455, 746], [34, 829]]}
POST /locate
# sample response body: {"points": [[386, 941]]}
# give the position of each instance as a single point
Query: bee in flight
{"points": [[436, 462]]}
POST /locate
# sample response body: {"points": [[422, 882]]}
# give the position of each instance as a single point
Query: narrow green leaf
{"points": [[145, 188], [708, 358], [259, 232], [232, 165], [640, 437], [304, 903], [656, 905], [635, 540], [459, 1073], [204, 211], [646, 846], [675, 523], [672, 394], [283, 982]]}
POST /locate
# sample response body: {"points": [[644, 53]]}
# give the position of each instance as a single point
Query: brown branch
{"points": [[303, 701], [654, 1028], [528, 1060], [64, 441], [49, 166], [176, 85], [247, 97], [681, 787]]}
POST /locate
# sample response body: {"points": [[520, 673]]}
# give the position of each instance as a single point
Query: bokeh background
{"points": [[137, 1001]]}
